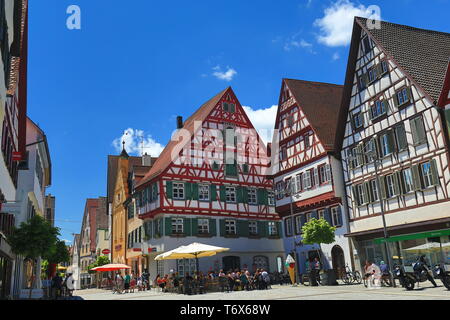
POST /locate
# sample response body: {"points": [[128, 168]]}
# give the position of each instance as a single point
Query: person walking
{"points": [[70, 284], [119, 283], [127, 281], [57, 286]]}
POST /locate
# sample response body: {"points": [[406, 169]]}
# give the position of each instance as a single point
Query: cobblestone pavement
{"points": [[341, 292]]}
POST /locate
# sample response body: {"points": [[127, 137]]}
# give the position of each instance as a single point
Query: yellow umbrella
{"points": [[62, 268], [194, 250]]}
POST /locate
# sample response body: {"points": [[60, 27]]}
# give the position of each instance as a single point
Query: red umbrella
{"points": [[111, 267]]}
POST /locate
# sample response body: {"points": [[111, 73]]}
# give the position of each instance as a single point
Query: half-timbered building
{"points": [[308, 175], [391, 128], [209, 185]]}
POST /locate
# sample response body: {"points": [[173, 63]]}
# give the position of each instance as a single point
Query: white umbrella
{"points": [[433, 246]]}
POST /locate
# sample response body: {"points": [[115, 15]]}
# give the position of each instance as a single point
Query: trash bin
{"points": [[328, 278]]}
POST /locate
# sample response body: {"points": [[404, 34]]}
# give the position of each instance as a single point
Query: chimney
{"points": [[269, 149], [179, 122], [146, 160]]}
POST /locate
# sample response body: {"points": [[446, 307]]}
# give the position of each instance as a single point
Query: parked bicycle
{"points": [[349, 276]]}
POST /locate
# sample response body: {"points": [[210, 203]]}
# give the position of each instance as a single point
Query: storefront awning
{"points": [[422, 235]]}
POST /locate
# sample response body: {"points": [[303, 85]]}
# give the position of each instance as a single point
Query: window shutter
{"points": [[240, 194], [356, 195], [302, 221], [278, 224], [169, 189], [316, 177], [242, 228], [187, 191], [167, 226], [286, 234], [409, 94], [340, 221], [383, 187], [315, 215], [263, 229], [225, 106], [391, 142], [434, 173], [245, 194], [396, 178], [194, 191], [213, 227], [187, 223], [368, 192], [360, 155], [223, 194], [262, 197], [350, 158], [420, 130], [222, 227], [194, 227], [232, 107], [416, 178], [213, 192], [327, 216], [401, 138]]}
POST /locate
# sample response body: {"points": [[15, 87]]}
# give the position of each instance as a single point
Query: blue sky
{"points": [[138, 64]]}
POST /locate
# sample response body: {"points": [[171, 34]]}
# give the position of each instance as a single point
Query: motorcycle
{"points": [[410, 275], [443, 272]]}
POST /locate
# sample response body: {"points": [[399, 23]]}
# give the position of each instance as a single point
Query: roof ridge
{"points": [[314, 82], [406, 26]]}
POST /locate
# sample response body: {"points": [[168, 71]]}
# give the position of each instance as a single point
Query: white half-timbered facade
{"points": [[392, 129], [306, 162], [209, 185]]}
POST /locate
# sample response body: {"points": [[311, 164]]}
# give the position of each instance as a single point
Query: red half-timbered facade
{"points": [[210, 185], [308, 178]]}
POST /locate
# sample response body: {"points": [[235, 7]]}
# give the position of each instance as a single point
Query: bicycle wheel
{"points": [[345, 277], [366, 282], [357, 277]]}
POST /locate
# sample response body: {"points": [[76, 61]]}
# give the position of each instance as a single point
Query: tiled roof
{"points": [[320, 102], [102, 214], [423, 54], [164, 160]]}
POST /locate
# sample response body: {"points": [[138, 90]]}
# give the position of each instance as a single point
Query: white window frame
{"points": [[298, 224], [271, 198], [177, 225], [335, 216], [230, 193], [408, 180], [253, 228], [390, 189], [289, 229], [307, 180], [361, 193], [384, 145], [374, 190], [178, 191], [308, 216], [272, 228], [203, 226], [252, 196], [321, 214], [203, 192], [427, 177], [230, 227]]}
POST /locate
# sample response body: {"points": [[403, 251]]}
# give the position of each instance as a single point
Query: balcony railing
{"points": [[6, 223]]}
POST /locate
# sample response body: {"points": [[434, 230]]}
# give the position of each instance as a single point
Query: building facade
{"points": [[308, 174], [392, 130], [210, 185], [74, 267], [49, 209]]}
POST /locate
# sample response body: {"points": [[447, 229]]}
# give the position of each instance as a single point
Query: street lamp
{"points": [[373, 155]]}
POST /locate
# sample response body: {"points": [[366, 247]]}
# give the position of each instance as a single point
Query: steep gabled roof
{"points": [[112, 173], [421, 54], [446, 88], [320, 103], [164, 160]]}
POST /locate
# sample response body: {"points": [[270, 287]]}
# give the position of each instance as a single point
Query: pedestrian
{"points": [[146, 279], [266, 279], [127, 281], [70, 284], [57, 286], [119, 283]]}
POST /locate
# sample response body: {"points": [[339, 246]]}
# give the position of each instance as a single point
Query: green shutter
{"points": [[434, 173], [232, 107], [242, 228], [263, 196], [369, 192], [366, 193], [391, 143], [213, 192], [225, 107], [395, 100], [194, 191], [240, 194], [278, 228], [222, 227], [187, 191], [416, 178], [167, 226], [188, 227], [420, 129], [212, 227], [169, 189], [360, 156], [383, 187], [396, 178], [409, 94], [223, 194], [355, 195], [245, 194], [401, 137], [263, 229]]}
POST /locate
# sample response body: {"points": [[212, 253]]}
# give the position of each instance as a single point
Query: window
{"points": [[298, 224], [321, 214], [390, 188], [273, 231], [178, 191], [315, 173], [203, 226], [374, 190], [408, 182], [253, 228], [372, 74], [402, 97], [386, 144], [271, 198], [358, 121], [371, 151], [325, 173], [280, 190], [184, 267], [288, 227], [366, 45], [335, 217], [252, 198], [378, 109], [427, 178], [230, 194], [307, 180], [307, 142], [400, 137], [177, 225], [203, 192], [230, 227], [362, 82], [298, 183], [384, 67], [309, 216], [361, 194], [418, 131], [283, 154]]}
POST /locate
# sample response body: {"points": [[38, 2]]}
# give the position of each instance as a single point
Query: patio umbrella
{"points": [[111, 267], [428, 247], [194, 250]]}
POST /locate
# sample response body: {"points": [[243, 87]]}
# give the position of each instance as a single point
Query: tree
{"points": [[33, 239], [318, 231], [58, 253]]}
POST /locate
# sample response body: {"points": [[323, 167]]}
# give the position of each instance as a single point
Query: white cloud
{"points": [[297, 44], [136, 142], [227, 75], [336, 56], [337, 24], [263, 120], [66, 241]]}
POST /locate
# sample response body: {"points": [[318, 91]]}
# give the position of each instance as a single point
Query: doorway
{"points": [[231, 263], [338, 259]]}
